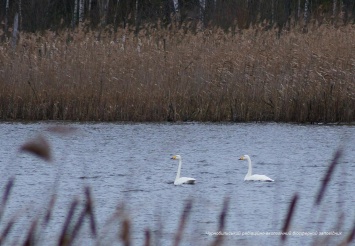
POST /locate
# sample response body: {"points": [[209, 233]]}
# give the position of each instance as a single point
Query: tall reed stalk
{"points": [[161, 75]]}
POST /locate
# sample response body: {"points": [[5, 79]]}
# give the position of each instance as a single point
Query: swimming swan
{"points": [[253, 177], [181, 180]]}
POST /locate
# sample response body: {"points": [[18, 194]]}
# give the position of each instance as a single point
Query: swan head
{"points": [[176, 157], [244, 157]]}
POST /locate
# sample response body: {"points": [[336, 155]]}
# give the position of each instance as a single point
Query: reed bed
{"points": [[82, 212], [178, 75]]}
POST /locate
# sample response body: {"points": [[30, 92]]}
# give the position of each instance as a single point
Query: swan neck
{"points": [[250, 169], [179, 170]]}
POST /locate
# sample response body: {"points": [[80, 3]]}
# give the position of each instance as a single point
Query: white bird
{"points": [[181, 180], [254, 177]]}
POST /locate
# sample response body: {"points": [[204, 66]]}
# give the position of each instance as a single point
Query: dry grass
{"points": [[171, 75]]}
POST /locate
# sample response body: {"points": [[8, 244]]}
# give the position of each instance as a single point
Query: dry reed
{"points": [[176, 75], [48, 215], [328, 175], [126, 232], [147, 237], [349, 238], [288, 219], [31, 234], [5, 198], [222, 222], [65, 237], [182, 224], [6, 195], [38, 146], [7, 230], [90, 211]]}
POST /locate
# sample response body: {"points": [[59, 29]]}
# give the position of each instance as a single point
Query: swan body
{"points": [[254, 177], [181, 180]]}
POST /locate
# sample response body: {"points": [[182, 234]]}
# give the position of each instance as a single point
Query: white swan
{"points": [[254, 177], [181, 180]]}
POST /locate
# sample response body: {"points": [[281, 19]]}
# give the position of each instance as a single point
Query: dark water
{"points": [[128, 168]]}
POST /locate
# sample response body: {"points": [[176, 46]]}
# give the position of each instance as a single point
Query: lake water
{"points": [[129, 165]]}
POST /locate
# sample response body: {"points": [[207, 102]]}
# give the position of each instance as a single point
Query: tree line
{"points": [[37, 15]]}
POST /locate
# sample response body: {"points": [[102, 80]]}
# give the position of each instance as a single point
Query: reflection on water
{"points": [[129, 165]]}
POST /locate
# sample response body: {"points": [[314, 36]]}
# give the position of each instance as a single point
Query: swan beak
{"points": [[241, 158], [173, 158]]}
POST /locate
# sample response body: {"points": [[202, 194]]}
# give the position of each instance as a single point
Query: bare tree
{"points": [[344, 10], [334, 12], [6, 15], [202, 10], [288, 12], [115, 22], [306, 15], [75, 14], [81, 11], [106, 12], [136, 13], [15, 32], [20, 14], [272, 12], [334, 8], [90, 1], [176, 5], [176, 10], [104, 15]]}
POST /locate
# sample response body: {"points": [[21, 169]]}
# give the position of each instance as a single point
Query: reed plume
{"points": [[38, 146]]}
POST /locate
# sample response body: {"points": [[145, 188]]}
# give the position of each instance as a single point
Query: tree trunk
{"points": [[288, 11], [136, 19], [345, 12], [298, 10], [306, 16], [75, 14], [176, 10], [106, 12], [115, 22], [202, 10], [334, 12], [15, 32], [176, 5], [19, 15], [104, 16], [272, 12], [334, 8], [81, 11], [6, 16]]}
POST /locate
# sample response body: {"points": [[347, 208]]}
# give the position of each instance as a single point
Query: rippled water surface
{"points": [[129, 171]]}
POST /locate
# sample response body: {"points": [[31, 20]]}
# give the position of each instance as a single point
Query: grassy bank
{"points": [[163, 75]]}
